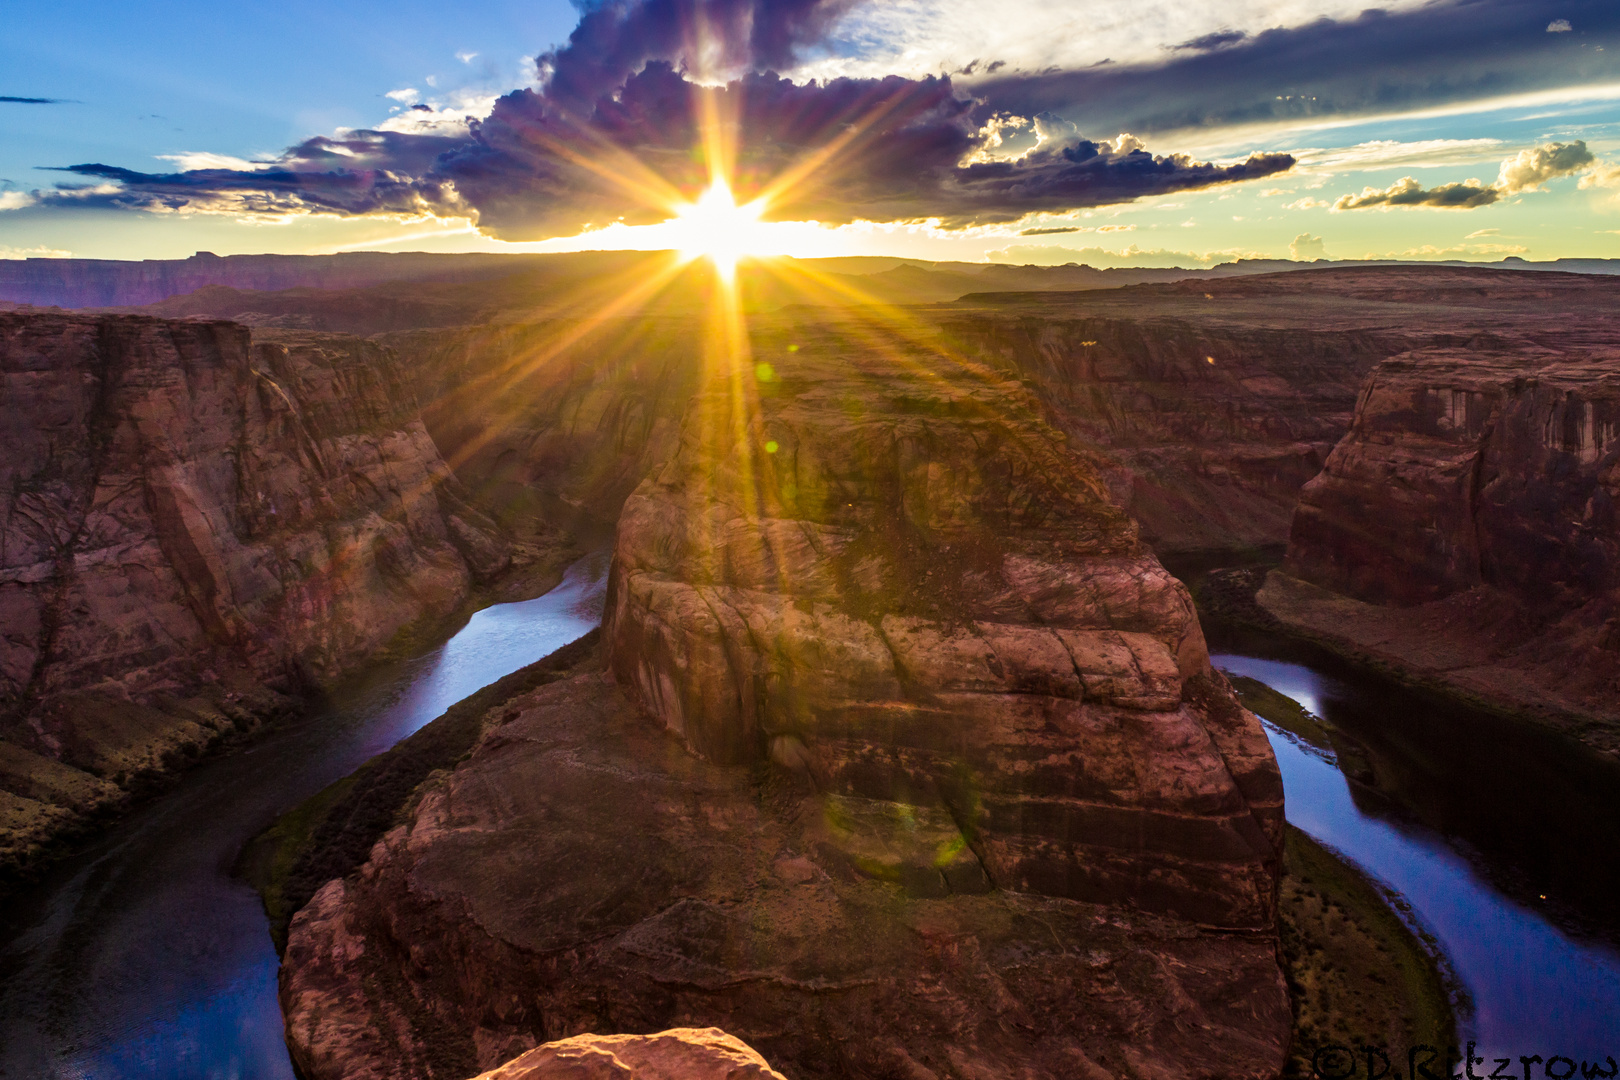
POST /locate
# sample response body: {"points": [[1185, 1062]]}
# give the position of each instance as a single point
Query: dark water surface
{"points": [[1502, 838], [143, 957]]}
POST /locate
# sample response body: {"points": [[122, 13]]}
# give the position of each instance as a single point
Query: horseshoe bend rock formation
{"points": [[192, 528], [1466, 527], [966, 799], [904, 585]]}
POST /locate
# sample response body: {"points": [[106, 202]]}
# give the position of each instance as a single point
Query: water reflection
{"points": [[1458, 816], [144, 958]]}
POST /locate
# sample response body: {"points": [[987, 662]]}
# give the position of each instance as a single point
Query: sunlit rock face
{"points": [[887, 572], [191, 526], [677, 1054]]}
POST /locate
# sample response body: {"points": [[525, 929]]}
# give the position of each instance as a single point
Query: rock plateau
{"points": [[904, 759]]}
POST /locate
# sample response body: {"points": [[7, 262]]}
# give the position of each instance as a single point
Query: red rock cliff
{"points": [[967, 800], [1479, 489], [189, 525], [897, 577]]}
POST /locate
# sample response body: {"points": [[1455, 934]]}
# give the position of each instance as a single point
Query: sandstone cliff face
{"points": [[1210, 430], [966, 800], [1467, 468], [560, 418], [900, 581], [1483, 486], [583, 872], [192, 528]]}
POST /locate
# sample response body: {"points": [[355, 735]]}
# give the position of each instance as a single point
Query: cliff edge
{"points": [[904, 758]]}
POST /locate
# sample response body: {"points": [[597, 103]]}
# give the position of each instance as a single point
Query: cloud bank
{"points": [[1527, 170], [1376, 62], [625, 120]]}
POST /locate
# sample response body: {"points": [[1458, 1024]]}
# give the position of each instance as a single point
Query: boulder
{"points": [[677, 1054]]}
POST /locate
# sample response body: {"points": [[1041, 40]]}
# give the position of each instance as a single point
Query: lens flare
{"points": [[716, 227]]}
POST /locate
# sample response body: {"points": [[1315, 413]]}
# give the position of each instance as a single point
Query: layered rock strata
{"points": [[1472, 510], [584, 872], [900, 581], [191, 530], [906, 760], [1208, 431], [678, 1054]]}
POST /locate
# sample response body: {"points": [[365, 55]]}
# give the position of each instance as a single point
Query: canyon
{"points": [[198, 532], [903, 755], [1467, 523]]}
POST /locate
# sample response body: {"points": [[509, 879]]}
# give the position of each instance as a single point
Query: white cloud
{"points": [[1604, 175], [441, 119], [185, 162], [1477, 233], [1529, 169], [1392, 153], [1305, 247], [407, 96], [1559, 26], [1525, 171], [1307, 203], [15, 200], [1276, 191], [920, 37], [1464, 251], [33, 252], [466, 56]]}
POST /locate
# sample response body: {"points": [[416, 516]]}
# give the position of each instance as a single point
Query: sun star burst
{"points": [[716, 227]]}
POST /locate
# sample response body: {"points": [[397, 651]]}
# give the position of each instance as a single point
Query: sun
{"points": [[716, 227]]}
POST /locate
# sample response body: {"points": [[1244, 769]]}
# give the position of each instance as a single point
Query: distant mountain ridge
{"points": [[100, 283]]}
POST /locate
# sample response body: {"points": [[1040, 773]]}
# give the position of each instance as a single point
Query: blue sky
{"points": [[168, 91]]}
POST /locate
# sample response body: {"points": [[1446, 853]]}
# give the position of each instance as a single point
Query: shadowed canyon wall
{"points": [[905, 759], [1209, 431], [192, 529], [1475, 499]]}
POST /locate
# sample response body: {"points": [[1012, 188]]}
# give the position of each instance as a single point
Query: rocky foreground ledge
{"points": [[904, 759], [678, 1054]]}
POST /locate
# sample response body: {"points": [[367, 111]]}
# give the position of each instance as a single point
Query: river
{"points": [[1499, 837], [144, 957]]}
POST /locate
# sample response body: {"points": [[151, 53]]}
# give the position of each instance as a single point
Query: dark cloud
{"points": [[1048, 232], [615, 135], [1408, 192], [1443, 52], [1211, 41], [363, 172], [879, 149], [614, 40], [33, 101]]}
